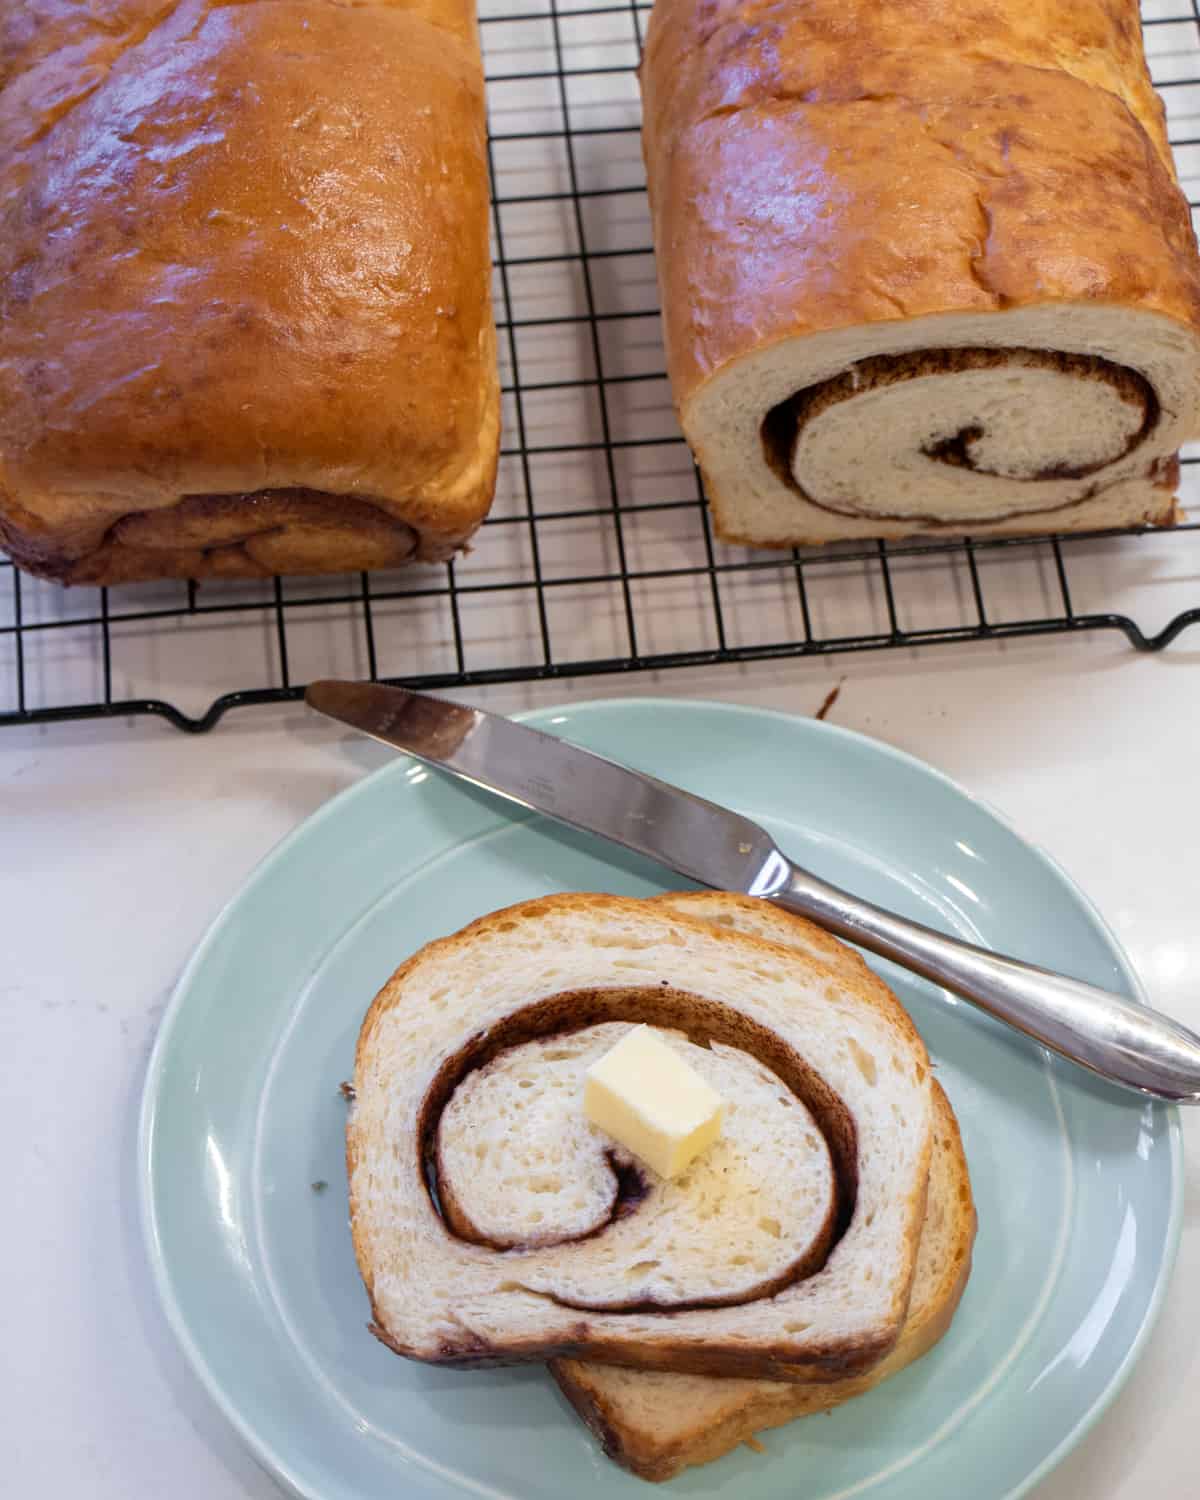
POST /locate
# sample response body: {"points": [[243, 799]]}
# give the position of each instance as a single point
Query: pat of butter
{"points": [[643, 1094]]}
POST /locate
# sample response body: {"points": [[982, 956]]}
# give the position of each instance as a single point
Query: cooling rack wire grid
{"points": [[597, 556]]}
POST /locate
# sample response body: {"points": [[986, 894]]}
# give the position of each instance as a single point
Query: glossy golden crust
{"points": [[244, 279], [918, 157]]}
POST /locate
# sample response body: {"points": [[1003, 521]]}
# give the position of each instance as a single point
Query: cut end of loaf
{"points": [[968, 438]]}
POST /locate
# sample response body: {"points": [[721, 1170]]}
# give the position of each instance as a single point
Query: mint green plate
{"points": [[1078, 1187]]}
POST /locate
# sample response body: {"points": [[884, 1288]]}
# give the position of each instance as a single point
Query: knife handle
{"points": [[1126, 1042]]}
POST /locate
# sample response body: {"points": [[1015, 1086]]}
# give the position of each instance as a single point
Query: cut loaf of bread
{"points": [[923, 267], [440, 1061], [657, 1424]]}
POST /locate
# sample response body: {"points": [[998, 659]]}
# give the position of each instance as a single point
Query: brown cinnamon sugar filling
{"points": [[785, 422], [251, 534], [251, 519]]}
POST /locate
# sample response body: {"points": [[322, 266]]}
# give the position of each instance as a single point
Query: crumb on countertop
{"points": [[831, 697]]}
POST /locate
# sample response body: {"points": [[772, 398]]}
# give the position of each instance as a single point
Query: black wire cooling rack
{"points": [[597, 557]]}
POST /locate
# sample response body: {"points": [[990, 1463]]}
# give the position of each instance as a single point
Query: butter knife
{"points": [[1121, 1040]]}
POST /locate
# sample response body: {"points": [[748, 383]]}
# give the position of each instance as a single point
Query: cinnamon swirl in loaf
{"points": [[245, 324], [925, 265]]}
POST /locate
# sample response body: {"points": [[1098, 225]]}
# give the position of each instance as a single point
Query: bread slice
{"points": [[656, 1424], [832, 1033]]}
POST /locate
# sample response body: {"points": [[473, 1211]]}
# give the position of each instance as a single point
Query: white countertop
{"points": [[121, 841]]}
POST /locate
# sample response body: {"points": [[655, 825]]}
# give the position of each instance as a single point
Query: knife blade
{"points": [[1121, 1040], [709, 844]]}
